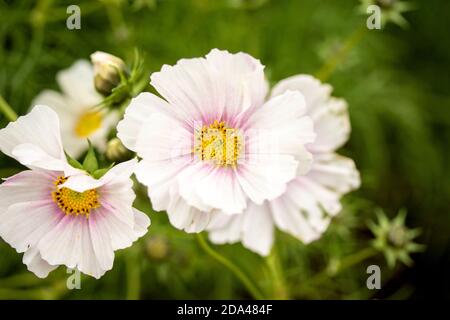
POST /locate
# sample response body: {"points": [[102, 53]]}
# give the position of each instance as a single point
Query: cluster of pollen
{"points": [[218, 144], [72, 202], [88, 123]]}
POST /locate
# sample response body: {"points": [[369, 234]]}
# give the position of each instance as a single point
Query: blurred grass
{"points": [[396, 82]]}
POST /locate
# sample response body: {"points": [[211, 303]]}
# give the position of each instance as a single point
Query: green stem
{"points": [[327, 69], [280, 290], [133, 275], [230, 266], [6, 109], [342, 265]]}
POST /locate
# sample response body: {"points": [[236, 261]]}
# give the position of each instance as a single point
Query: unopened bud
{"points": [[157, 248], [107, 69], [115, 150]]}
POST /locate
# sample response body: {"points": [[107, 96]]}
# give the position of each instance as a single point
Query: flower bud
{"points": [[115, 150], [107, 70], [394, 239], [157, 248]]}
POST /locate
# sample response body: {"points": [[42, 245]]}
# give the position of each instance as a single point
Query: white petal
{"points": [[141, 223], [34, 262], [315, 93], [258, 229], [254, 228], [335, 172], [279, 127], [205, 186], [294, 212], [39, 128], [120, 172], [332, 125], [264, 177], [225, 228], [162, 138], [185, 217], [77, 82], [82, 182], [159, 177], [137, 113]]}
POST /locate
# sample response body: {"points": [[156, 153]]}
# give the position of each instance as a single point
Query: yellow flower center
{"points": [[72, 202], [218, 144], [88, 123]]}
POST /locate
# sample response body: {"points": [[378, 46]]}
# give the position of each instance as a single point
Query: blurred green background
{"points": [[397, 84]]}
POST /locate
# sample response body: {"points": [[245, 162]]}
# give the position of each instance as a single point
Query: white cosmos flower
{"points": [[58, 215], [75, 106], [305, 209], [214, 143]]}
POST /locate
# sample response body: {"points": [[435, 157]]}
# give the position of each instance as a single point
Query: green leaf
{"points": [[74, 163], [97, 174], [90, 163]]}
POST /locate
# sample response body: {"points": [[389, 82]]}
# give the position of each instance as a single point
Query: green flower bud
{"points": [[394, 239]]}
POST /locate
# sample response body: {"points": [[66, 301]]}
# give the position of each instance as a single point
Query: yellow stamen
{"points": [[88, 123], [72, 202], [218, 144]]}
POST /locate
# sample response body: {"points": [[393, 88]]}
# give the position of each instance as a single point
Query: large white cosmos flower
{"points": [[214, 143], [77, 108], [305, 209], [59, 215]]}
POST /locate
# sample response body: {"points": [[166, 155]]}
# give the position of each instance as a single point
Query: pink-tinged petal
{"points": [[89, 263], [315, 93], [239, 82], [159, 177], [186, 86], [136, 115], [24, 224], [77, 82], [101, 242], [264, 177], [122, 234], [335, 172], [40, 128], [162, 138], [215, 88], [26, 186], [62, 245], [34, 262], [185, 217], [77, 242]]}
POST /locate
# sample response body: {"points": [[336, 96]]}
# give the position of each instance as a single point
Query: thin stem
{"points": [[280, 290], [345, 263], [6, 109], [230, 266], [133, 275], [327, 69]]}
